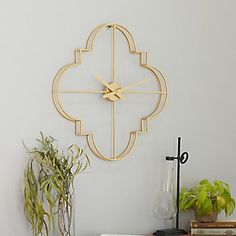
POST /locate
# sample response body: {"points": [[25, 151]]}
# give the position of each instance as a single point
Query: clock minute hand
{"points": [[133, 85], [126, 88]]}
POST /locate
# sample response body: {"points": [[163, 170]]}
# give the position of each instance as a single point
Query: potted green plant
{"points": [[49, 186], [207, 199]]}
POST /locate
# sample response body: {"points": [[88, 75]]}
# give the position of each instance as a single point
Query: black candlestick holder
{"points": [[181, 159]]}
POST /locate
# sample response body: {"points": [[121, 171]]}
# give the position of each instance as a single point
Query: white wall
{"points": [[192, 42]]}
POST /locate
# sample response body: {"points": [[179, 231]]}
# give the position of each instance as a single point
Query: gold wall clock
{"points": [[110, 90]]}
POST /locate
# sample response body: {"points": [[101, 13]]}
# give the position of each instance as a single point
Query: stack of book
{"points": [[214, 228]]}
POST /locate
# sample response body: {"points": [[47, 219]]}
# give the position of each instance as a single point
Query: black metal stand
{"points": [[181, 159]]}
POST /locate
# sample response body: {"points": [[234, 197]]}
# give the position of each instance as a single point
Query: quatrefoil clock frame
{"points": [[112, 92]]}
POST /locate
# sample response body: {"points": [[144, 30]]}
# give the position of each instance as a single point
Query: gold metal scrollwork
{"points": [[112, 91]]}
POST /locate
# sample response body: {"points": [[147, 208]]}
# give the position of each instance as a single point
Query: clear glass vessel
{"points": [[165, 205], [65, 215]]}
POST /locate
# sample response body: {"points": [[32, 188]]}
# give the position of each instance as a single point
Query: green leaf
{"points": [[230, 207], [220, 202], [204, 182], [202, 197], [206, 208]]}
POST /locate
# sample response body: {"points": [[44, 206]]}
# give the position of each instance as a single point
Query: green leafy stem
{"points": [[49, 184]]}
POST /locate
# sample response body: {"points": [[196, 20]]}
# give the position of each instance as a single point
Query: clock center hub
{"points": [[112, 93]]}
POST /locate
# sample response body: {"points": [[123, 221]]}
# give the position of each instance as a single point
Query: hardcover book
{"points": [[218, 224], [213, 231]]}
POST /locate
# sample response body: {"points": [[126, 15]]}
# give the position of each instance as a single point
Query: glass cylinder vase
{"points": [[65, 214]]}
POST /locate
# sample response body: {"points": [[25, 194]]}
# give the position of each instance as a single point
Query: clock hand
{"points": [[105, 83], [125, 88], [109, 86], [134, 85]]}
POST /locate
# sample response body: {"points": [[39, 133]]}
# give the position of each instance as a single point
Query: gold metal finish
{"points": [[112, 87], [106, 91], [118, 90], [82, 91], [112, 92], [114, 129]]}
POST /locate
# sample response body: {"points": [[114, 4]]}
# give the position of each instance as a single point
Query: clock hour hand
{"points": [[107, 95], [105, 83], [112, 87]]}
